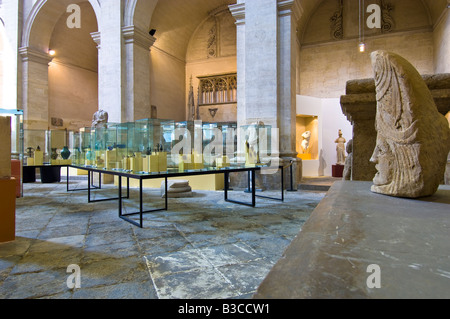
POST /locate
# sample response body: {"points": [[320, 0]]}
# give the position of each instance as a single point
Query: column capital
{"points": [[30, 54], [132, 34], [238, 12], [290, 7]]}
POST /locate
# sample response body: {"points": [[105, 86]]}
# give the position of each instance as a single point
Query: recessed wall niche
{"points": [[307, 131]]}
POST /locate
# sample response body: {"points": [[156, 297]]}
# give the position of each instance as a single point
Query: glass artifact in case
{"points": [[188, 143], [56, 147]]}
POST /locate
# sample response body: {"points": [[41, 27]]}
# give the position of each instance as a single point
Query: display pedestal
{"points": [[50, 174], [8, 211], [305, 157], [337, 170], [29, 174], [15, 172]]}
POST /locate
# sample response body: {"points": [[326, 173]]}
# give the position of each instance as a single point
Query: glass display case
{"points": [[56, 147], [256, 139], [34, 147], [229, 136], [149, 145], [17, 146]]}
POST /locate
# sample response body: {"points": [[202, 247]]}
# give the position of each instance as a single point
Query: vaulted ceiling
{"points": [[435, 9], [175, 21]]}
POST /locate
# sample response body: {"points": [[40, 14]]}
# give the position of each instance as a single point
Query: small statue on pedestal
{"points": [[340, 149], [305, 143]]}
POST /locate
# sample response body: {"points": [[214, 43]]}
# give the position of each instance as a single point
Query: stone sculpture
{"points": [[340, 149], [413, 138], [100, 119], [305, 143], [347, 174]]}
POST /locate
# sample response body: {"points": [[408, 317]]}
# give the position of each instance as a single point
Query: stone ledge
{"points": [[353, 228]]}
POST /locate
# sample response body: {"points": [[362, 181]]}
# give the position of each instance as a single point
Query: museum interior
{"points": [[221, 149]]}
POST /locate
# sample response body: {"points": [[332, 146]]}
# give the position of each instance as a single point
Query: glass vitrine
{"points": [[17, 146], [256, 139]]}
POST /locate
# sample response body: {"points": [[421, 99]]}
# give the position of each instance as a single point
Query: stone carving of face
{"points": [[413, 138], [383, 158]]}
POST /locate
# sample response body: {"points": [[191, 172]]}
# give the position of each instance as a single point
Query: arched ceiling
{"points": [[75, 46], [41, 22], [175, 21]]}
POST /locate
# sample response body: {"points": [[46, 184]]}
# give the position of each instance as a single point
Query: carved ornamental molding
{"points": [[217, 89]]}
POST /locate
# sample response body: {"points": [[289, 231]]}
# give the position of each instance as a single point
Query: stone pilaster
{"points": [[137, 61], [266, 67], [111, 68], [35, 88]]}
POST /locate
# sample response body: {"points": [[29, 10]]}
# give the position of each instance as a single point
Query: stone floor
{"points": [[202, 247]]}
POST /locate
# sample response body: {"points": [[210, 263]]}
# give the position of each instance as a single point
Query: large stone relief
{"points": [[337, 22], [413, 138], [387, 21], [212, 43]]}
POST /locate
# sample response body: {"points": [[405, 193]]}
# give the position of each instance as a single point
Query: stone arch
{"points": [[39, 25], [139, 13], [34, 46]]}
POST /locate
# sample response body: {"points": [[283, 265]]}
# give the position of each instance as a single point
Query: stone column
{"points": [[288, 14], [10, 11], [261, 62], [35, 88], [266, 68], [238, 12], [137, 64], [110, 62]]}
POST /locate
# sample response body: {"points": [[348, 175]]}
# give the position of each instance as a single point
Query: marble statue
{"points": [[347, 174], [413, 138], [340, 149], [305, 143], [100, 119]]}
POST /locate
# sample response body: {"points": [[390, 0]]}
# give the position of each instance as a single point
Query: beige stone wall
{"points": [[325, 69], [223, 61], [167, 85], [441, 37], [73, 95], [326, 63]]}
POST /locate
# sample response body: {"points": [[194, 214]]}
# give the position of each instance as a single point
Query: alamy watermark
{"points": [[74, 19], [374, 19], [374, 279], [74, 280]]}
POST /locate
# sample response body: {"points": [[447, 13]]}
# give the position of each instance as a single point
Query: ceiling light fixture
{"points": [[51, 52], [362, 45]]}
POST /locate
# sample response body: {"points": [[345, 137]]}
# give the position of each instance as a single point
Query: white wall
{"points": [[331, 120]]}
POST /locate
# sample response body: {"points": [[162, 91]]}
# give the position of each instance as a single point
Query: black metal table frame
{"points": [[89, 181], [166, 175]]}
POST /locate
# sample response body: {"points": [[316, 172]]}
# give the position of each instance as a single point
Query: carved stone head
{"points": [[413, 138]]}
